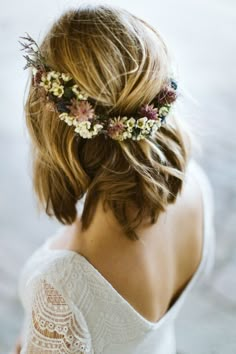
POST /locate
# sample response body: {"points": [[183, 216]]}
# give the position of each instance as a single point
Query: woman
{"points": [[100, 112]]}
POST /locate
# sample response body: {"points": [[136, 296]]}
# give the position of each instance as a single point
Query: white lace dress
{"points": [[71, 308]]}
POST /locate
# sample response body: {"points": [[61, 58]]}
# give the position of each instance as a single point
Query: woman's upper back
{"points": [[119, 307], [151, 273]]}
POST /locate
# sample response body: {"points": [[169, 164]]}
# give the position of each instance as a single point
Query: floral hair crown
{"points": [[75, 108]]}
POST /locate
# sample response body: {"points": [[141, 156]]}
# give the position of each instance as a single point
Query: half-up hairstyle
{"points": [[121, 62]]}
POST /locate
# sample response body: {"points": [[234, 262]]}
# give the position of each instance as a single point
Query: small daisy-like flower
{"points": [[141, 122], [45, 82], [56, 89], [97, 127], [150, 123], [75, 89], [127, 135], [79, 94], [69, 120], [86, 135], [94, 132], [85, 125], [64, 115], [66, 77], [130, 123], [83, 130], [53, 75], [81, 110], [163, 111], [149, 111], [146, 129], [82, 96], [76, 122]]}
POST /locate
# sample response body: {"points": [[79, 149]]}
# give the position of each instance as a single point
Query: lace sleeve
{"points": [[53, 324]]}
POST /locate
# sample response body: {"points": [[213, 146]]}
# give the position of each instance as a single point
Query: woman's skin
{"points": [[165, 246]]}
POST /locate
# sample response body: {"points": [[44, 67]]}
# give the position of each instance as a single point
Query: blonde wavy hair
{"points": [[121, 62]]}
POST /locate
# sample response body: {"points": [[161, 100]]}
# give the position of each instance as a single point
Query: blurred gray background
{"points": [[201, 35]]}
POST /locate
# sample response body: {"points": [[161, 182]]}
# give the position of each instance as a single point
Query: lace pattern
{"points": [[53, 327]]}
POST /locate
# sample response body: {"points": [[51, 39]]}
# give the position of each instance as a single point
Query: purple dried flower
{"points": [[34, 58], [166, 96], [148, 111], [37, 77]]}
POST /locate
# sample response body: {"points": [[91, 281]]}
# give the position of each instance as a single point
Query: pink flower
{"points": [[116, 128], [81, 110], [148, 111]]}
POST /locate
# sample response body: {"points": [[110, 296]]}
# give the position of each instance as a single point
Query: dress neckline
{"points": [[77, 256], [145, 321]]}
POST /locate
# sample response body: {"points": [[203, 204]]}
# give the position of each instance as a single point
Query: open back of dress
{"points": [[71, 308]]}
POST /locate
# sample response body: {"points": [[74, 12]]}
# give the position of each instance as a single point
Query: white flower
{"points": [[141, 122], [69, 120], [94, 132], [80, 95], [63, 115], [83, 129], [53, 75], [163, 111], [130, 123], [150, 123], [146, 129], [127, 134], [45, 83], [75, 89], [85, 124], [66, 77], [97, 127], [140, 137], [75, 122], [57, 89], [86, 134]]}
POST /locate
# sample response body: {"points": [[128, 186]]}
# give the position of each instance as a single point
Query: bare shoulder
{"points": [[188, 216], [190, 200]]}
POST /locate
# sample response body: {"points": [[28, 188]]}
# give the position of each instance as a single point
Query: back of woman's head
{"points": [[121, 62]]}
